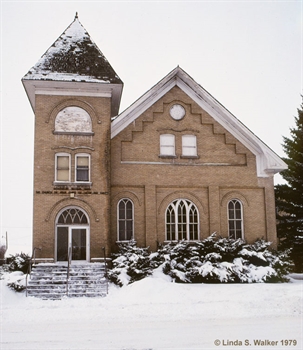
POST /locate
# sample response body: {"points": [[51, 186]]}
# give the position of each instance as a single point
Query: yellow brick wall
{"points": [[138, 172], [129, 166], [50, 199]]}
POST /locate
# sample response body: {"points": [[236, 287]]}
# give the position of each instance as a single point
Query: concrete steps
{"points": [[49, 281]]}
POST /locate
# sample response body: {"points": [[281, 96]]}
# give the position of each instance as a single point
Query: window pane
{"points": [[167, 144], [189, 145], [63, 162], [62, 168], [62, 175], [82, 174], [82, 161], [62, 243]]}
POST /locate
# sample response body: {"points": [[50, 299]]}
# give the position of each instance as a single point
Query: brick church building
{"points": [[174, 165]]}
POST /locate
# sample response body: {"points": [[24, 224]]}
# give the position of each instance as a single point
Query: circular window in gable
{"points": [[177, 112], [73, 120]]}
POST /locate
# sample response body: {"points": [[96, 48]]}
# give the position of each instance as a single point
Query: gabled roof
{"points": [[74, 57], [268, 162]]}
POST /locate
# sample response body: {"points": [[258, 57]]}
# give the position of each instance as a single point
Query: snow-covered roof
{"points": [[74, 65], [74, 57], [268, 162]]}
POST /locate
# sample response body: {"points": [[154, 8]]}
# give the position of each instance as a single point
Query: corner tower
{"points": [[74, 93]]}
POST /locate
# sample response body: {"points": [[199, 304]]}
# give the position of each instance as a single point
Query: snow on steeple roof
{"points": [[74, 57]]}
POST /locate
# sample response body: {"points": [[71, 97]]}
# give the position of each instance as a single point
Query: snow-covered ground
{"points": [[155, 313]]}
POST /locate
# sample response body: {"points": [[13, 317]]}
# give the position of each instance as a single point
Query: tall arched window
{"points": [[182, 221], [235, 219], [125, 220]]}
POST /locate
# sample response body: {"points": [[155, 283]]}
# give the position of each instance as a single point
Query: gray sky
{"points": [[247, 54]]}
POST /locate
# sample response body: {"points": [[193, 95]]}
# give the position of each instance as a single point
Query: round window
{"points": [[177, 112]]}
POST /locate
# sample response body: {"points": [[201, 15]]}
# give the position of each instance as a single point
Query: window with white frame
{"points": [[189, 145], [82, 167], [167, 145], [62, 173], [235, 219], [182, 221], [125, 216]]}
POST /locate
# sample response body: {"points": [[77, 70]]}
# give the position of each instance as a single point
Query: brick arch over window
{"points": [[66, 202], [231, 195], [126, 194], [182, 194], [76, 103]]}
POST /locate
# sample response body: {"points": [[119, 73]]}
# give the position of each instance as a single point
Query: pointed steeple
{"points": [[74, 57]]}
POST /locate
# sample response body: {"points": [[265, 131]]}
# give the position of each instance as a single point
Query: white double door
{"points": [[74, 239]]}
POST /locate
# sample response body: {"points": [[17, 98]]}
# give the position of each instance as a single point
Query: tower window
{"points": [[82, 167], [62, 167]]}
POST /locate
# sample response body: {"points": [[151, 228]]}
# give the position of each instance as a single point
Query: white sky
{"points": [[247, 54]]}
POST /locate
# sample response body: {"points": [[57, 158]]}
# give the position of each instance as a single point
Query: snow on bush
{"points": [[19, 262], [218, 260], [212, 260], [130, 264], [17, 266]]}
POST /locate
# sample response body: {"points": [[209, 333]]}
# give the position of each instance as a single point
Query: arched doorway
{"points": [[72, 234]]}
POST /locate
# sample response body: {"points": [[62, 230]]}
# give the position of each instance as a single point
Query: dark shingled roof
{"points": [[74, 57]]}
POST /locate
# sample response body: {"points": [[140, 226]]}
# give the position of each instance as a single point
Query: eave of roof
{"points": [[268, 162]]}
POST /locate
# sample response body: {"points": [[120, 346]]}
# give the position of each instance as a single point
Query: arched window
{"points": [[72, 216], [182, 221], [235, 219], [73, 120], [125, 220]]}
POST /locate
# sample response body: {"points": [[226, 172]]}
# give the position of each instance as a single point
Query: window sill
{"points": [[72, 184], [75, 133], [167, 157], [189, 157]]}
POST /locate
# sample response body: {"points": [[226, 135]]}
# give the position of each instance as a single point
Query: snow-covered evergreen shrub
{"points": [[130, 264], [19, 262], [16, 286], [225, 260], [212, 260]]}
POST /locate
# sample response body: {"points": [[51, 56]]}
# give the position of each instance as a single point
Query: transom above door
{"points": [[72, 235]]}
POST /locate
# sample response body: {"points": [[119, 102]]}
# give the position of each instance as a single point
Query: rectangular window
{"points": [[167, 145], [82, 168], [189, 145], [62, 167]]}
